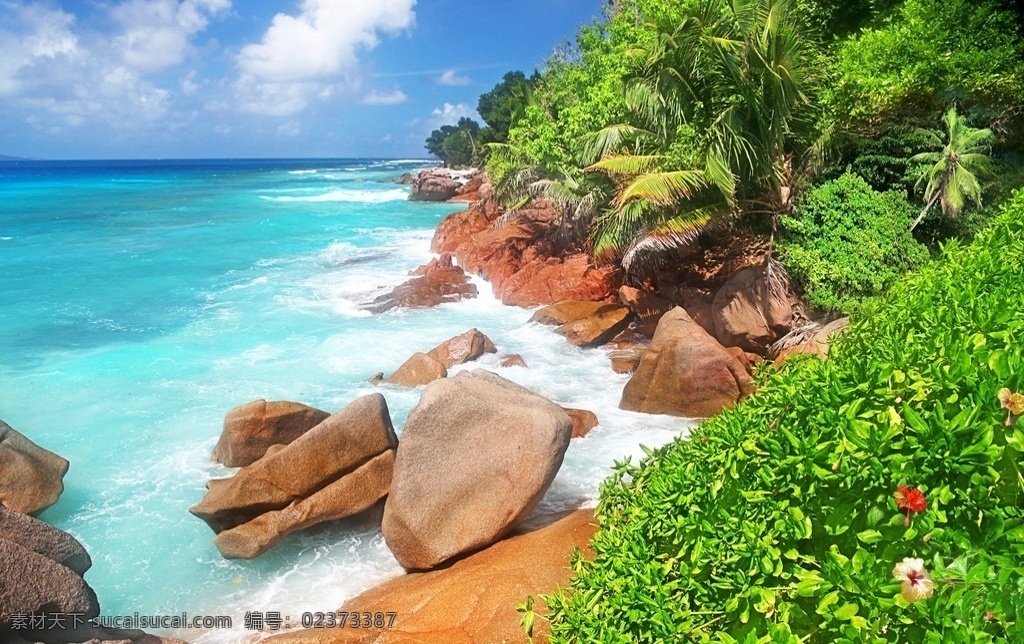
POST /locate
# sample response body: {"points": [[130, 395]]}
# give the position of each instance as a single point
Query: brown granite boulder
{"points": [[513, 360], [33, 583], [625, 360], [31, 478], [648, 306], [351, 494], [42, 538], [462, 348], [685, 372], [585, 324], [418, 370], [253, 427], [747, 316], [582, 421], [477, 454], [474, 599], [335, 447], [437, 282], [470, 190], [434, 185]]}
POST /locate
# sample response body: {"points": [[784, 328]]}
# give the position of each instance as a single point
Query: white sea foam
{"points": [[346, 196], [302, 171]]}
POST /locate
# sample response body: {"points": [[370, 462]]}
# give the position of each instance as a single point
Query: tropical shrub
{"points": [[872, 497], [848, 242]]}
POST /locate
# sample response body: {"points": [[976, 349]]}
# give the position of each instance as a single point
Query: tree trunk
{"points": [[927, 207]]}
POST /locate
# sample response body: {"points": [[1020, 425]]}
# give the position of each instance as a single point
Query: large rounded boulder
{"points": [[685, 372], [477, 454], [31, 478], [750, 315], [250, 429]]}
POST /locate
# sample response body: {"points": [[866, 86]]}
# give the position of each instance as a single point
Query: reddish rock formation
{"points": [[470, 191], [434, 185], [253, 427], [567, 311], [553, 279], [319, 457], [462, 348], [513, 360], [458, 228], [477, 454], [582, 421], [685, 372], [33, 583], [351, 494], [418, 370], [31, 478], [473, 600], [437, 282], [747, 315]]}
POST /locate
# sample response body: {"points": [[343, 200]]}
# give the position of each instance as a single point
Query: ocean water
{"points": [[142, 300]]}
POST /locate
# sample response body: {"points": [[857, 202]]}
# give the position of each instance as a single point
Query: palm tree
{"points": [[952, 177], [732, 84]]}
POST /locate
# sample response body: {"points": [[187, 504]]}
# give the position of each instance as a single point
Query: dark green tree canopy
{"points": [[455, 145], [499, 107]]}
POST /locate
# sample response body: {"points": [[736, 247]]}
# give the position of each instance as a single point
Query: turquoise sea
{"points": [[143, 299]]}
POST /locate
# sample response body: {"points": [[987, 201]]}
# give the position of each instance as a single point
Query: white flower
{"points": [[916, 584]]}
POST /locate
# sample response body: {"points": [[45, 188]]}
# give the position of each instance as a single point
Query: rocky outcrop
{"points": [[462, 348], [31, 478], [33, 583], [253, 427], [436, 282], [818, 344], [407, 179], [457, 228], [521, 258], [347, 496], [582, 421], [287, 475], [625, 360], [43, 539], [477, 454], [585, 324], [749, 315], [473, 600], [420, 369], [434, 185], [685, 372], [470, 190], [41, 571]]}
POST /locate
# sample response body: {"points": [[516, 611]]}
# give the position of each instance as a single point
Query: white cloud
{"points": [[39, 37], [156, 33], [321, 42], [450, 114], [452, 79], [385, 98]]}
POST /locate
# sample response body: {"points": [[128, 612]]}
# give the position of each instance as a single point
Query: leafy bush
{"points": [[848, 242], [777, 521]]}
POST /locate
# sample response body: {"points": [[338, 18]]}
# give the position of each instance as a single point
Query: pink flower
{"points": [[910, 499], [916, 584]]}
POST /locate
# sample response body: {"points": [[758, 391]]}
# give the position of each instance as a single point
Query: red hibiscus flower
{"points": [[910, 499]]}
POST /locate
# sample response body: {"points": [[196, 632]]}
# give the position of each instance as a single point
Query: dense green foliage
{"points": [[455, 145], [776, 521], [848, 242], [928, 54], [506, 101]]}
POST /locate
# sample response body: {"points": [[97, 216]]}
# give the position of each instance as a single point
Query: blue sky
{"points": [[226, 78]]}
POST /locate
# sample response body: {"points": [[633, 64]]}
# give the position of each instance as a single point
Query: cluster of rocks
{"points": [[300, 466], [436, 282], [42, 568], [338, 466]]}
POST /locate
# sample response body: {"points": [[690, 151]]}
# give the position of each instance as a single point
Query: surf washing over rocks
{"points": [[171, 292]]}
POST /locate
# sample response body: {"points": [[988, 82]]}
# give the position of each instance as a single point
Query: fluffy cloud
{"points": [[452, 79], [36, 38], [385, 98], [321, 42], [450, 114], [155, 33]]}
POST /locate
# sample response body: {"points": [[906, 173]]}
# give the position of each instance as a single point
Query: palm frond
{"points": [[627, 163], [664, 188]]}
